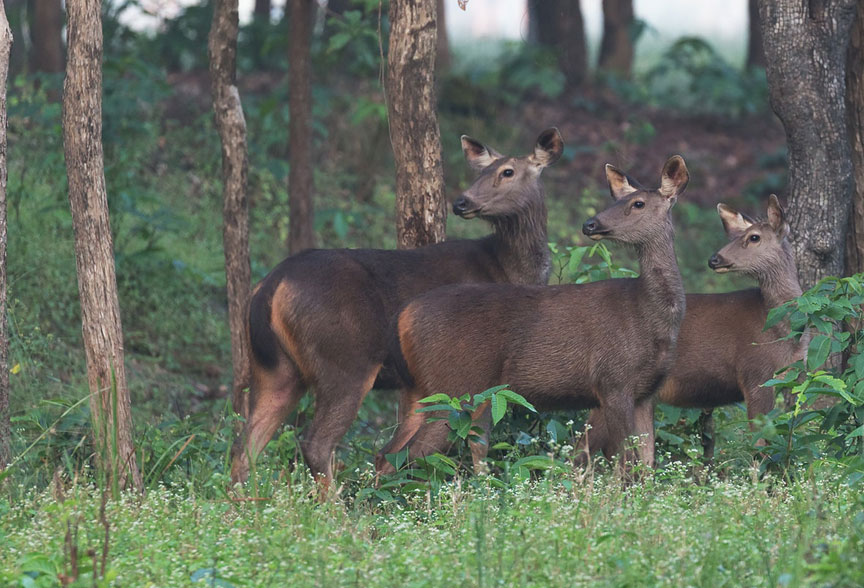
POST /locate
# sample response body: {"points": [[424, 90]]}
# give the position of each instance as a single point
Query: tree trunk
{"points": [[558, 25], [442, 59], [301, 232], [46, 33], [263, 8], [616, 48], [5, 429], [805, 50], [231, 124], [414, 133], [855, 112], [94, 254], [755, 52]]}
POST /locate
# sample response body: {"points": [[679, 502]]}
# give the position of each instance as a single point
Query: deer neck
{"points": [[779, 282], [522, 245], [661, 288]]}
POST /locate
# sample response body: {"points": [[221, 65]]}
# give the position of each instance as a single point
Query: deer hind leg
{"points": [[274, 394], [409, 422], [619, 415], [706, 433], [337, 402], [594, 439]]}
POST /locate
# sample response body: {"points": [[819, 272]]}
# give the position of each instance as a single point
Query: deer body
{"points": [[723, 354], [320, 318], [605, 344]]}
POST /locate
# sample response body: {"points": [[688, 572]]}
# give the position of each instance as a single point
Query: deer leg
{"points": [[594, 439], [409, 421], [706, 432], [482, 418], [430, 438], [644, 421], [336, 407], [274, 394], [619, 414]]}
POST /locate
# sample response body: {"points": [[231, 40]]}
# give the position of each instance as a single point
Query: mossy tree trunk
{"points": [[231, 124], [558, 24], [46, 33], [5, 429], [855, 112], [94, 249], [755, 51], [414, 133], [805, 49]]}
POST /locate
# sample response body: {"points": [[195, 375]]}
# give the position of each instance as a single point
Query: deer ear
{"points": [[777, 217], [674, 179], [733, 221], [620, 185], [548, 149], [478, 155]]}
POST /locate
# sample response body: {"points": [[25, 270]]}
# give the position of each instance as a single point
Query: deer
{"points": [[320, 318], [606, 345], [724, 353]]}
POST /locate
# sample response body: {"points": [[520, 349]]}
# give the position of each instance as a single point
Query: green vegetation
{"points": [[792, 519]]}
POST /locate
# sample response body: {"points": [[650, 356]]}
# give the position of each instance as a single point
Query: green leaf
{"points": [[517, 399], [499, 408], [440, 397], [817, 352], [775, 315]]}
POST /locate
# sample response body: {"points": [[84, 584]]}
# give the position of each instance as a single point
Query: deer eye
{"points": [[755, 238], [507, 173], [638, 204]]}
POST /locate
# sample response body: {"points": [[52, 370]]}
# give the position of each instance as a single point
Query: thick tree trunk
{"points": [[301, 233], [755, 51], [558, 24], [616, 48], [855, 112], [442, 60], [94, 251], [414, 133], [805, 50], [5, 429], [231, 124], [46, 33]]}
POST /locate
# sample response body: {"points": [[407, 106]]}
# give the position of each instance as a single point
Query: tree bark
{"points": [[805, 51], [46, 33], [755, 51], [94, 251], [442, 59], [5, 429], [855, 113], [301, 232], [616, 48], [414, 133], [558, 25], [231, 124]]}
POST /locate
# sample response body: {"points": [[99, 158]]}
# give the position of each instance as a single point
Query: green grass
{"points": [[670, 530]]}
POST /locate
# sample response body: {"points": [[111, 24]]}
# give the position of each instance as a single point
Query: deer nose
{"points": [[714, 261], [460, 206], [590, 226]]}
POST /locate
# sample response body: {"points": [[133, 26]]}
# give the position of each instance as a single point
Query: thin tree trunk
{"points": [[94, 251], [558, 24], [46, 33], [616, 48], [231, 124], [855, 112], [414, 133], [442, 60], [263, 8], [755, 52], [805, 50], [5, 429], [301, 232]]}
